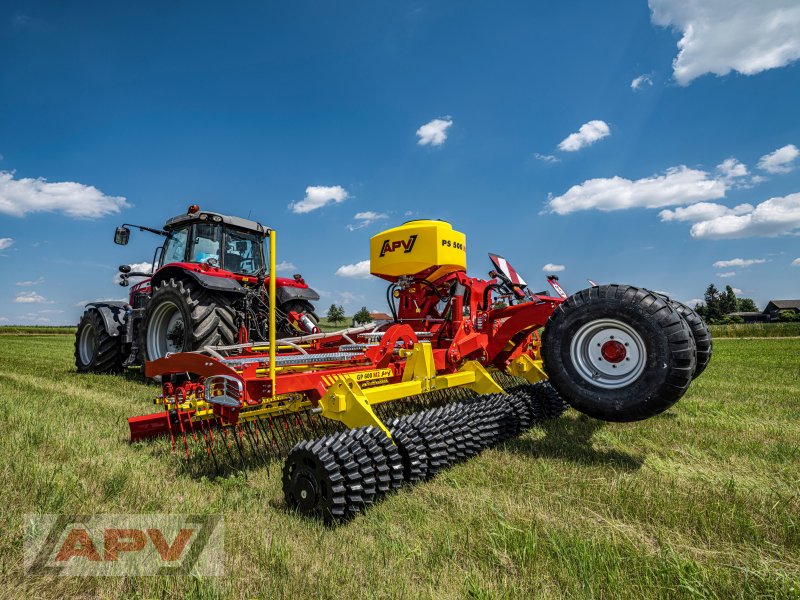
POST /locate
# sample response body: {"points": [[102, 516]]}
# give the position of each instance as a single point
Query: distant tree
{"points": [[746, 305], [499, 304], [335, 314], [728, 301], [362, 316], [711, 308], [788, 316]]}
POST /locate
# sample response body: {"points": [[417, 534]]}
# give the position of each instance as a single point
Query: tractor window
{"points": [[205, 242], [242, 252], [175, 247]]}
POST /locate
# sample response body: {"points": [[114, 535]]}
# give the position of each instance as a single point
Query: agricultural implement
{"points": [[461, 367]]}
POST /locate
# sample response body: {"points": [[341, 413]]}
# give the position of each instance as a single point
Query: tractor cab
{"points": [[229, 243]]}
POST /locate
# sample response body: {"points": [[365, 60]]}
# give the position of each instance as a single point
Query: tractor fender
{"points": [[288, 293], [113, 313], [209, 282]]}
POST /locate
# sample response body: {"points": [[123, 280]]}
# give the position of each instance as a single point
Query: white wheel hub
{"points": [[166, 331], [608, 353]]}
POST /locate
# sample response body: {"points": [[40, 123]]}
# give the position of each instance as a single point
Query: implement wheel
{"points": [[618, 353], [700, 333]]}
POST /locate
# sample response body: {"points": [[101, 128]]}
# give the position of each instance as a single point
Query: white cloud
{"points": [[33, 282], [731, 168], [773, 217], [19, 197], [702, 211], [142, 267], [3, 319], [739, 262], [737, 291], [726, 275], [718, 36], [548, 158], [679, 185], [694, 302], [6, 243], [434, 133], [779, 161], [284, 266], [31, 298], [588, 134], [796, 262], [365, 219], [318, 196], [358, 270], [641, 81], [551, 268]]}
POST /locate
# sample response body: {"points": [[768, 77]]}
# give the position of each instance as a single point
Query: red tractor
{"points": [[209, 288]]}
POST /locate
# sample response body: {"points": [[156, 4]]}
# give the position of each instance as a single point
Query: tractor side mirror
{"points": [[122, 235]]}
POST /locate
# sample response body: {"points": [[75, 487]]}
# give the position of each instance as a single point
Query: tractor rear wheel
{"points": [[618, 353], [96, 350], [182, 316]]}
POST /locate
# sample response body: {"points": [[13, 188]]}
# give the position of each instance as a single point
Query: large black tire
{"points": [[618, 353], [96, 350], [182, 316], [702, 336]]}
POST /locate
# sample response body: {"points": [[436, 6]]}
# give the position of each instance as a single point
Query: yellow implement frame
{"points": [[348, 402]]}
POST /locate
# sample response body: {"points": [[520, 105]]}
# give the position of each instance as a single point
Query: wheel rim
{"points": [[608, 353], [166, 331], [87, 345]]}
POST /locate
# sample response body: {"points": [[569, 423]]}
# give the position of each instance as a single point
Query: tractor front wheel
{"points": [[618, 353], [96, 350], [182, 316]]}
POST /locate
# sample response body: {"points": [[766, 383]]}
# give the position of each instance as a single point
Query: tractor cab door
{"points": [[509, 276]]}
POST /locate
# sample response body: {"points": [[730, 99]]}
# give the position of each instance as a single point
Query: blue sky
{"points": [[518, 122]]}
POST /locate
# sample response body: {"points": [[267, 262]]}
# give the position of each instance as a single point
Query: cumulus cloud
{"points": [[31, 298], [358, 270], [726, 275], [773, 217], [364, 219], [679, 185], [737, 291], [641, 81], [739, 262], [551, 268], [6, 243], [318, 196], [720, 36], [18, 197], [702, 211], [284, 266], [548, 158], [796, 262], [30, 283], [142, 267], [779, 161], [434, 133], [588, 134]]}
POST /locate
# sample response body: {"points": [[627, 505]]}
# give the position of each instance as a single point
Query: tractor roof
{"points": [[212, 217]]}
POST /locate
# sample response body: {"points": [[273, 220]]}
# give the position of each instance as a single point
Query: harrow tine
{"points": [[236, 434], [254, 445]]}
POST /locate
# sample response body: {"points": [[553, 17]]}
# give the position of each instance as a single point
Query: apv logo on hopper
{"points": [[392, 246], [122, 545]]}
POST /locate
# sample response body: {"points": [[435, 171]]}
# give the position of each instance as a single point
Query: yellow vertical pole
{"points": [[272, 297]]}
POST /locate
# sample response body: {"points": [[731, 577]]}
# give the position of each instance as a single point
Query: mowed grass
{"points": [[703, 501]]}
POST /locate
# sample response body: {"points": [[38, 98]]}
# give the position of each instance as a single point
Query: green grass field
{"points": [[703, 501]]}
